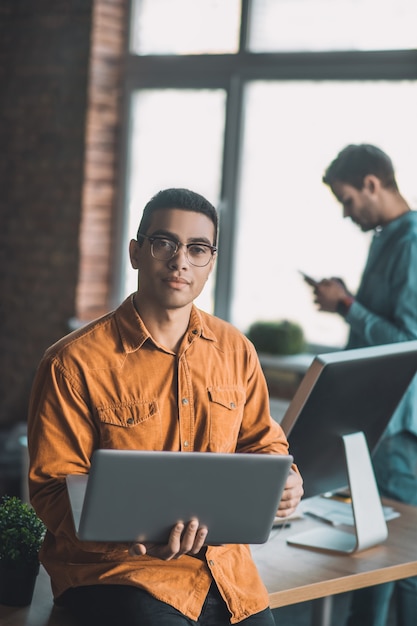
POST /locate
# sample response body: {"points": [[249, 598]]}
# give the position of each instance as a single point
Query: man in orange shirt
{"points": [[155, 374]]}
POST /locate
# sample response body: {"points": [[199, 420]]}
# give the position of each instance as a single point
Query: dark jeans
{"points": [[395, 465], [124, 605]]}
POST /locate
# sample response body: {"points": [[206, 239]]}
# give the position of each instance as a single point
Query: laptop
{"points": [[135, 495]]}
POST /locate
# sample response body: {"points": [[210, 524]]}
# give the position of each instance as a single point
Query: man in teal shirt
{"points": [[383, 311]]}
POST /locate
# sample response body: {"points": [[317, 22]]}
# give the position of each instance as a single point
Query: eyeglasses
{"points": [[163, 249]]}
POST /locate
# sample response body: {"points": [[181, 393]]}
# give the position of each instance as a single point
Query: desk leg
{"points": [[322, 611]]}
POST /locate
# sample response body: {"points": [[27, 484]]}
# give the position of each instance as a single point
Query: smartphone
{"points": [[311, 281]]}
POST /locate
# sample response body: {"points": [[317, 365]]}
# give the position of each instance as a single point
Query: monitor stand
{"points": [[370, 527]]}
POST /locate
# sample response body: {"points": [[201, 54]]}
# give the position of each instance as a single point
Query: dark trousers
{"points": [[124, 605], [395, 465]]}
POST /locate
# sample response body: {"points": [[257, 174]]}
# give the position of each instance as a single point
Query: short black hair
{"points": [[178, 198], [357, 161]]}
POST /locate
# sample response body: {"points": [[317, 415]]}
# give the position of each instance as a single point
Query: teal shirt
{"points": [[385, 309]]}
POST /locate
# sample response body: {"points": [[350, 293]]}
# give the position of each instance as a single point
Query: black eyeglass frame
{"points": [[178, 244]]}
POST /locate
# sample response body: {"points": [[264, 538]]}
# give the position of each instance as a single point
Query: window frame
{"points": [[231, 72]]}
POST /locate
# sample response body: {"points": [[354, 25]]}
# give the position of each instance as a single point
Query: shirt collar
{"points": [[198, 326], [395, 224], [133, 332]]}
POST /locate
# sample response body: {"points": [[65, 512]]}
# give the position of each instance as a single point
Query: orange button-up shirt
{"points": [[109, 385]]}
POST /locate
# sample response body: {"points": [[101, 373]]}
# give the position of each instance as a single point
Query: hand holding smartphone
{"points": [[309, 280]]}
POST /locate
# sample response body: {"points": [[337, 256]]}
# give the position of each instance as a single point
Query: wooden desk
{"points": [[294, 574], [290, 574]]}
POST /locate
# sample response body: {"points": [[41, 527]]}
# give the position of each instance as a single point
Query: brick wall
{"points": [[58, 136], [99, 217]]}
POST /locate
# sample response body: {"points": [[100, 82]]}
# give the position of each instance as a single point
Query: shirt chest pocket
{"points": [[225, 416], [130, 425]]}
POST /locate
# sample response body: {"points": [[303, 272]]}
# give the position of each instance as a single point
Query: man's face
{"points": [[174, 283], [360, 205]]}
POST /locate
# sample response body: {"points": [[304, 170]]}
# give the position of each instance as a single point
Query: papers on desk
{"points": [[285, 522], [337, 512]]}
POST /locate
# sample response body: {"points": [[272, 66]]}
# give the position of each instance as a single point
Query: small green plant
{"points": [[277, 337], [21, 533]]}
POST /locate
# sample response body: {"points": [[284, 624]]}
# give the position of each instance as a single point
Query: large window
{"points": [[176, 141], [247, 103], [314, 25], [288, 220]]}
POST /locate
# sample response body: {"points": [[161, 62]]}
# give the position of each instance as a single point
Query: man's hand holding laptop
{"points": [[291, 496], [184, 539], [190, 538]]}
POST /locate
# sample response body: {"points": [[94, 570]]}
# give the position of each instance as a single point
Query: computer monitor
{"points": [[337, 417]]}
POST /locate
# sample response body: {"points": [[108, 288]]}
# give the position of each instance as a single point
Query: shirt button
{"points": [[130, 420], [186, 444], [232, 405], [184, 400], [211, 562]]}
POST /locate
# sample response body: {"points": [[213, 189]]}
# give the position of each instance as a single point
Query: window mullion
{"points": [[217, 70], [228, 205]]}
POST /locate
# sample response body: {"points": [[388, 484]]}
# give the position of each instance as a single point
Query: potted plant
{"points": [[21, 536], [281, 337]]}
